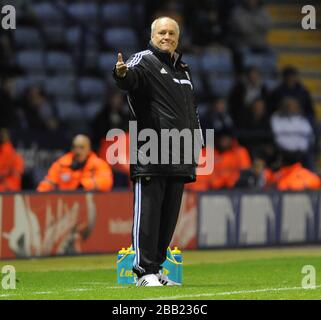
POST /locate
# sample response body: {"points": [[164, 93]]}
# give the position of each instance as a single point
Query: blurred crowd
{"points": [[264, 137]]}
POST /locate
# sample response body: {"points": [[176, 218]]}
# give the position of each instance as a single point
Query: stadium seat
{"points": [[84, 12], [54, 34], [47, 12], [217, 61], [271, 83], [31, 60], [117, 14], [61, 85], [59, 62], [308, 62], [120, 38], [219, 85], [265, 62], [92, 108], [193, 62], [294, 38], [317, 109], [21, 84], [313, 84], [107, 61], [24, 82], [27, 37], [69, 110], [91, 87], [73, 37], [91, 59], [284, 12]]}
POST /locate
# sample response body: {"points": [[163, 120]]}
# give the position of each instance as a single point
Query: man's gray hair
{"points": [[153, 25]]}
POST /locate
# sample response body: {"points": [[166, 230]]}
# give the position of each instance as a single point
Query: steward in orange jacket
{"points": [[229, 159], [11, 165], [79, 169], [293, 176], [228, 165], [296, 178]]}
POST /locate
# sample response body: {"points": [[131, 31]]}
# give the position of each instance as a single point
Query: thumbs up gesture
{"points": [[121, 67]]}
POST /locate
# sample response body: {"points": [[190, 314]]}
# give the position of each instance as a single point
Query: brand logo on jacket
{"points": [[163, 71]]}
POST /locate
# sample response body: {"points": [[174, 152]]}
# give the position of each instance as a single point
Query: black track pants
{"points": [[157, 202]]}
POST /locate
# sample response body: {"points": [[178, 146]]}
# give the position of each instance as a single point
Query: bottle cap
{"points": [[176, 251], [130, 250]]}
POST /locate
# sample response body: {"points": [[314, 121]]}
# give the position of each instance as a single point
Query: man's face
{"points": [[252, 4], [291, 80], [4, 136], [258, 108], [219, 106], [224, 143], [254, 76], [258, 166], [293, 106], [80, 149], [165, 35]]}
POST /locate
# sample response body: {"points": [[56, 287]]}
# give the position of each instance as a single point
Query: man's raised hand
{"points": [[121, 67]]}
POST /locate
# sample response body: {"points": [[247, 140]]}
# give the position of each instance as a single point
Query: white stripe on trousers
{"points": [[137, 211]]}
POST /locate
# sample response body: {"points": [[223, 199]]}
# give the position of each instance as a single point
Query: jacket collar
{"points": [[165, 56]]}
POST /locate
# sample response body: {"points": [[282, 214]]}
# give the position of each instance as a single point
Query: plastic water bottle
{"points": [[121, 253], [130, 250], [121, 266], [125, 260], [177, 254]]}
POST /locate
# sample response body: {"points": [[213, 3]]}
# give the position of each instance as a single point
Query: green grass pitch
{"points": [[228, 274]]}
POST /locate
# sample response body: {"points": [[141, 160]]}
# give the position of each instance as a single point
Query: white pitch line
{"points": [[104, 284], [57, 292], [229, 293], [7, 295], [94, 282], [44, 292], [78, 290]]}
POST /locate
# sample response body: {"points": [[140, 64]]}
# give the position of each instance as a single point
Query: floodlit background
{"points": [[257, 81], [56, 73]]}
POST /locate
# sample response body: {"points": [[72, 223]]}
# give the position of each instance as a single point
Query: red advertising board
{"points": [[74, 223]]}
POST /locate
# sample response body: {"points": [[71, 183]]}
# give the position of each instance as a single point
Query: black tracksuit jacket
{"points": [[161, 96]]}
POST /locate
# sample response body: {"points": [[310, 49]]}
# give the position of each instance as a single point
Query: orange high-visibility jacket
{"points": [[95, 175], [227, 168], [228, 165], [296, 178], [11, 168]]}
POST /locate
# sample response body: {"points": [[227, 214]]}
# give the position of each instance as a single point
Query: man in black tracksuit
{"points": [[160, 96]]}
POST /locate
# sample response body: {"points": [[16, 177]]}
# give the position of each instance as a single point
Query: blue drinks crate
{"points": [[172, 267]]}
